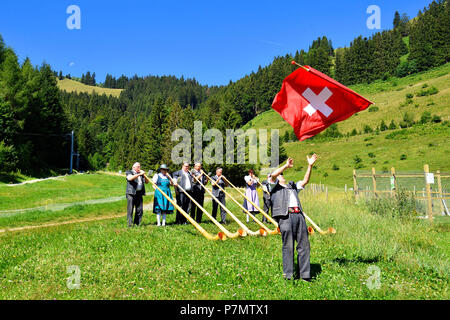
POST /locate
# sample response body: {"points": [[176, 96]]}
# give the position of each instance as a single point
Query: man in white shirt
{"points": [[184, 180], [288, 212], [134, 192]]}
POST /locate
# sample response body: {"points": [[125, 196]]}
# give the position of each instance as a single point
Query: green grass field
{"points": [[176, 262], [75, 86]]}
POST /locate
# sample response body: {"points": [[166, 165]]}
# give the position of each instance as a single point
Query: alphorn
{"points": [[253, 204], [262, 187], [266, 230], [330, 229], [206, 234], [243, 226], [230, 235]]}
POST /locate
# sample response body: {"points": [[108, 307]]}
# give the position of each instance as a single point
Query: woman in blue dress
{"points": [[162, 206]]}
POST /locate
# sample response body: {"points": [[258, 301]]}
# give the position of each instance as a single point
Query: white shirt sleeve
{"points": [[155, 178], [299, 187], [247, 179]]}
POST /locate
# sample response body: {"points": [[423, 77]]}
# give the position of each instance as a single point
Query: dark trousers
{"points": [[223, 213], [267, 206], [196, 212], [183, 201], [293, 228], [134, 202]]}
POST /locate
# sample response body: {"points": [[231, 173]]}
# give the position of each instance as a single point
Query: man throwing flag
{"points": [[287, 211], [310, 101]]}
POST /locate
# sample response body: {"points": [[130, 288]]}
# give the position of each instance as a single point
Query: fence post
{"points": [[355, 184], [426, 169], [438, 175], [374, 180], [395, 181]]}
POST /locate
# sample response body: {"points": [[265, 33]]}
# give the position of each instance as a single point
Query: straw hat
{"points": [[164, 167]]}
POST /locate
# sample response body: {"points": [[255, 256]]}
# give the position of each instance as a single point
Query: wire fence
{"points": [[431, 190]]}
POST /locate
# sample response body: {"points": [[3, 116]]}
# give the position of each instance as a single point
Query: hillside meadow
{"points": [[407, 149], [76, 86]]}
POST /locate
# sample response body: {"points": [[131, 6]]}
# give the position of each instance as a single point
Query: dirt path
{"points": [[36, 180], [147, 207], [60, 223]]}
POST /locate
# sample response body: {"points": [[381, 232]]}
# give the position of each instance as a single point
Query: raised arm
{"points": [[276, 173], [311, 160], [132, 177]]}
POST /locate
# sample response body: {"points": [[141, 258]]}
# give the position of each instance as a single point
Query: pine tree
{"points": [[174, 121], [396, 20]]}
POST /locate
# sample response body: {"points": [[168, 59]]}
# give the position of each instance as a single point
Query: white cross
{"points": [[317, 102]]}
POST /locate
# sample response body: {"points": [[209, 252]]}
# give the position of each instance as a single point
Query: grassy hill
{"points": [[420, 144], [117, 262], [72, 85]]}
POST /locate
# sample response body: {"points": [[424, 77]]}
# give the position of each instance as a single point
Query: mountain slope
{"points": [[420, 144], [75, 86]]}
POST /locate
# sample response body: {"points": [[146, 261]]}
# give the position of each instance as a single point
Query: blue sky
{"points": [[213, 41]]}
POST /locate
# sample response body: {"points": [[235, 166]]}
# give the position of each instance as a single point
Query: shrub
{"points": [[286, 137], [403, 157], [293, 136], [371, 155], [367, 129], [403, 124], [358, 162], [383, 126], [406, 68], [332, 132], [436, 119], [408, 120], [392, 125], [335, 167], [409, 96], [401, 134], [427, 92], [402, 204], [8, 157], [426, 117], [373, 109]]}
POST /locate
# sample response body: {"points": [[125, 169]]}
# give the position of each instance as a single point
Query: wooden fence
{"points": [[432, 182]]}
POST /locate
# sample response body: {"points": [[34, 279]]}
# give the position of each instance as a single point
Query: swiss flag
{"points": [[311, 101]]}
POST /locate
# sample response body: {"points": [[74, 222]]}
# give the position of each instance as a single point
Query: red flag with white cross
{"points": [[311, 101]]}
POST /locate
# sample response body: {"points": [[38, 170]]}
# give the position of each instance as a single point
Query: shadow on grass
{"points": [[345, 261], [17, 177], [9, 178], [316, 269]]}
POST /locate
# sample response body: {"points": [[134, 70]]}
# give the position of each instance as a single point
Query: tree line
{"points": [[33, 128]]}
